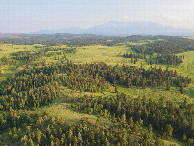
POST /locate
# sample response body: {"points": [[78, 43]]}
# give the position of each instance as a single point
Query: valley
{"points": [[96, 90]]}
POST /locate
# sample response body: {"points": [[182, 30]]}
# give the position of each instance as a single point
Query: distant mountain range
{"points": [[117, 28]]}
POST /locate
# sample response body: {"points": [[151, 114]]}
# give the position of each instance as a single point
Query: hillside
{"points": [[65, 89]]}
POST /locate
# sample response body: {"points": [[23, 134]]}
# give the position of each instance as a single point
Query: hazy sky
{"points": [[32, 15]]}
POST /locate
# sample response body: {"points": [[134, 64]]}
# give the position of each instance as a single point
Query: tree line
{"points": [[39, 85]]}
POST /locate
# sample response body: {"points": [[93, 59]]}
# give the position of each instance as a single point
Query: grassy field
{"points": [[110, 55], [9, 48], [62, 111], [6, 51], [191, 37]]}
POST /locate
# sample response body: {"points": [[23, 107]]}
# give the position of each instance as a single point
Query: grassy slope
{"points": [[7, 49], [110, 55], [191, 37]]}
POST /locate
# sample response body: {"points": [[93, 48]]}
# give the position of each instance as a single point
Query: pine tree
{"points": [[38, 136], [80, 140], [30, 142], [150, 128], [181, 89], [190, 141], [168, 131], [184, 139]]}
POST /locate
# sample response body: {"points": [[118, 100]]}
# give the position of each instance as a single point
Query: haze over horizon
{"points": [[24, 16]]}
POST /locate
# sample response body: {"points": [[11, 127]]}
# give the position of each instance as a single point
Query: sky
{"points": [[24, 16]]}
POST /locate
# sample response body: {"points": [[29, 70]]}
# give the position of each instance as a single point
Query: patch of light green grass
{"points": [[169, 143], [155, 93], [109, 55], [191, 37], [7, 49], [61, 111], [184, 69]]}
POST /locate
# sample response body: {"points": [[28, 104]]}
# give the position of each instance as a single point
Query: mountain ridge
{"points": [[117, 28]]}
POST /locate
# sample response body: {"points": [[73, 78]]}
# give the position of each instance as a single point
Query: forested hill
{"points": [[66, 89], [79, 39]]}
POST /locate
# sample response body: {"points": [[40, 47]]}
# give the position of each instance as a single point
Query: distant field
{"points": [[5, 51], [191, 37], [89, 54], [9, 48]]}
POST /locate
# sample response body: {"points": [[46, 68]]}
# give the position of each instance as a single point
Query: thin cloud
{"points": [[171, 17]]}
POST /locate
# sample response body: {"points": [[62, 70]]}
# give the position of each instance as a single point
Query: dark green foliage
{"points": [[39, 85], [164, 116], [170, 59], [8, 61], [45, 130], [171, 46], [88, 39], [27, 55], [85, 83], [132, 55]]}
